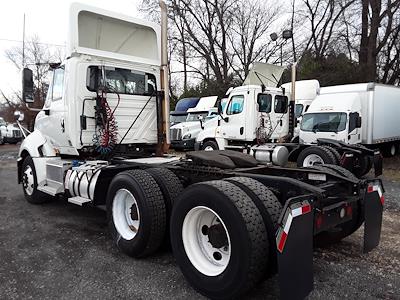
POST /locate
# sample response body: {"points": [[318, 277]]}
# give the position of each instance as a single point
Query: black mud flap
{"points": [[374, 201], [294, 242]]}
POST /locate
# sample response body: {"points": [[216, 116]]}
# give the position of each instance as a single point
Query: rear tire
{"points": [[335, 153], [171, 188], [315, 155], [136, 213], [239, 231], [270, 209], [29, 183], [210, 146]]}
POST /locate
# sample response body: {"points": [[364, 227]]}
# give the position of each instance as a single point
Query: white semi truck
{"points": [[9, 133], [364, 113], [100, 139], [183, 135]]}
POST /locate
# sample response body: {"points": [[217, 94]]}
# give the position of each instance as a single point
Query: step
{"points": [[78, 200], [49, 189]]}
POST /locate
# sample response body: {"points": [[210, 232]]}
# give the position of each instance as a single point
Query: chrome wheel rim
{"points": [[28, 180]]}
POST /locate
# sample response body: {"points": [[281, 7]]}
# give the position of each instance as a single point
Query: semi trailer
{"points": [[232, 222], [363, 113]]}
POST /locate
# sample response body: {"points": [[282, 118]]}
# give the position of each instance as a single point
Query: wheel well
{"points": [[209, 140]]}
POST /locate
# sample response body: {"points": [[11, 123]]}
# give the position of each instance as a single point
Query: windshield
{"points": [[325, 122], [177, 118], [298, 110], [211, 116], [195, 116]]}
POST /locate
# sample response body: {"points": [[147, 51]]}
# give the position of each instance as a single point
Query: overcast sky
{"points": [[46, 18]]}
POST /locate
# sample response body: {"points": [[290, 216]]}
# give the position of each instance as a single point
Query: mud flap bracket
{"points": [[294, 242]]}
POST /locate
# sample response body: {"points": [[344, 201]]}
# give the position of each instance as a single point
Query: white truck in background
{"points": [[364, 113], [100, 141], [9, 133], [261, 121], [183, 135]]}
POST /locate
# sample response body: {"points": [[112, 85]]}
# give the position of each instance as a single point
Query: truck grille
{"points": [[16, 133], [176, 134]]}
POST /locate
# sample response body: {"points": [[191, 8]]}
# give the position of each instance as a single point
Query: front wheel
{"points": [[219, 239], [210, 146], [30, 183]]}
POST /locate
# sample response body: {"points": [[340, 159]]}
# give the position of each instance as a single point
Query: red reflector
{"points": [[282, 241], [370, 189], [305, 209], [383, 200], [349, 210]]}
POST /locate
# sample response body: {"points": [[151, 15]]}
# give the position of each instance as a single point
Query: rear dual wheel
{"points": [[219, 238], [138, 203], [317, 155]]}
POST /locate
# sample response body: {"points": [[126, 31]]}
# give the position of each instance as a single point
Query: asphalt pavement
{"points": [[59, 250]]}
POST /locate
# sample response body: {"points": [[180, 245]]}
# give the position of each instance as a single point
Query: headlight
{"points": [[187, 136]]}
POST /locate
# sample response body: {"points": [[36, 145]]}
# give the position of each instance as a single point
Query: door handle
{"points": [[62, 126], [280, 122]]}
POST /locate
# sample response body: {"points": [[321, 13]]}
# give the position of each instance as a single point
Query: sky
{"points": [[46, 18]]}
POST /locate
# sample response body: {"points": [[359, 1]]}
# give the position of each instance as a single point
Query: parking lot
{"points": [[59, 250]]}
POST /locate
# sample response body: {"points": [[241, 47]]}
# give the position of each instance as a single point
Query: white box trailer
{"points": [[376, 106]]}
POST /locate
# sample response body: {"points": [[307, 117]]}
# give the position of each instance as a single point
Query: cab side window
{"points": [[235, 105], [58, 84], [264, 103], [281, 104]]}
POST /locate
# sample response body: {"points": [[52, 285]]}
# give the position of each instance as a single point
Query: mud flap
{"points": [[378, 163], [294, 242], [374, 201]]}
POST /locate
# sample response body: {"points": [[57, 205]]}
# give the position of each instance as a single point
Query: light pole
{"points": [[286, 34]]}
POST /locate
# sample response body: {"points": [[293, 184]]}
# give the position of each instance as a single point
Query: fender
{"points": [[36, 146]]}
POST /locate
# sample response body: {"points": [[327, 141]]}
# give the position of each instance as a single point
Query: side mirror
{"points": [[358, 122], [201, 119], [27, 85], [19, 116]]}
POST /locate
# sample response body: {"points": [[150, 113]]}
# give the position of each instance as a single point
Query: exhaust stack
{"points": [[164, 77]]}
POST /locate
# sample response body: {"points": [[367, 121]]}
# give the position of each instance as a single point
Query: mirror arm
{"points": [[23, 129], [32, 108]]}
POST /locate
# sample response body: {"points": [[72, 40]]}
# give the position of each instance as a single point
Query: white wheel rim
{"points": [[312, 159], [206, 258], [209, 148], [393, 150], [125, 214], [28, 181]]}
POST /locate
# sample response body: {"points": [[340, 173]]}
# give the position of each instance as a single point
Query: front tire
{"points": [[210, 146], [136, 213], [29, 183], [219, 239]]}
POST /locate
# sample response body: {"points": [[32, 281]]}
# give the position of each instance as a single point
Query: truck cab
{"points": [[107, 74], [180, 113], [335, 116], [183, 135], [250, 114]]}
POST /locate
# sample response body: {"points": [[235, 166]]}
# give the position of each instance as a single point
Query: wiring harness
{"points": [[106, 131]]}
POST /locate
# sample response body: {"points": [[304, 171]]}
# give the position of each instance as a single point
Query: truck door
{"points": [[51, 120], [235, 121], [280, 117]]}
